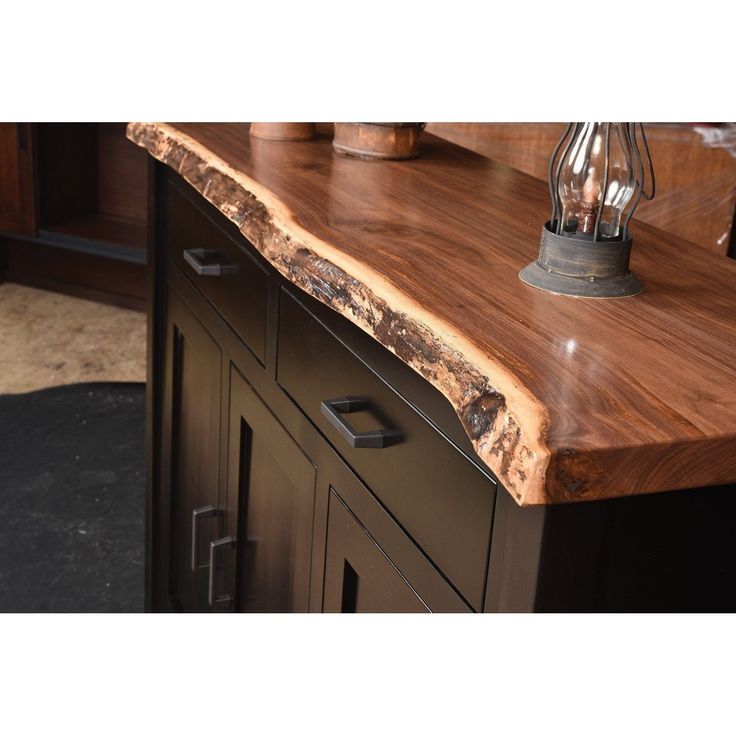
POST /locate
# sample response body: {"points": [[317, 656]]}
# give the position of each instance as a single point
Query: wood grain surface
{"points": [[564, 399]]}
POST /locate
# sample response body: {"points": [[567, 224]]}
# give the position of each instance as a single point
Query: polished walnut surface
{"points": [[564, 399]]}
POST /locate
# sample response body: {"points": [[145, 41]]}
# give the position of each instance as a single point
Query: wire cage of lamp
{"points": [[597, 176]]}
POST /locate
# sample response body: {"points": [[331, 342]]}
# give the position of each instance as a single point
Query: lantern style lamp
{"points": [[596, 180]]}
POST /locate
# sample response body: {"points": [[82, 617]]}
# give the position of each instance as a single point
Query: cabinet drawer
{"points": [[222, 270], [441, 499]]}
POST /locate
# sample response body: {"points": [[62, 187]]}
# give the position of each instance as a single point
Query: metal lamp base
{"points": [[536, 276], [574, 266]]}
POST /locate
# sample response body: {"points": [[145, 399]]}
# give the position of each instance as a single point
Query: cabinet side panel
{"points": [[516, 549]]}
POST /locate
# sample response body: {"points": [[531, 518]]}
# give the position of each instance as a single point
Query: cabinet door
{"points": [[275, 484], [190, 457], [359, 577], [16, 178]]}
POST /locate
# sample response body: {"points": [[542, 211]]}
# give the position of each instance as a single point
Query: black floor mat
{"points": [[72, 499]]}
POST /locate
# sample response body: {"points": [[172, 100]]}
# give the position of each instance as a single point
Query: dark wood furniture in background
{"points": [[73, 208], [17, 209], [696, 183], [261, 497]]}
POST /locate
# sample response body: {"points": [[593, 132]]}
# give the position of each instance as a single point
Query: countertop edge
{"points": [[505, 423]]}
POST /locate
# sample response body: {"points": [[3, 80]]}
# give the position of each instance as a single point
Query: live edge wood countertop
{"points": [[564, 399]]}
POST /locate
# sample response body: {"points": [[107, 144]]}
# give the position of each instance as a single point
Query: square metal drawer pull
{"points": [[335, 409]]}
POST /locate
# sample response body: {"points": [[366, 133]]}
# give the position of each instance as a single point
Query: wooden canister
{"points": [[395, 141], [283, 131]]}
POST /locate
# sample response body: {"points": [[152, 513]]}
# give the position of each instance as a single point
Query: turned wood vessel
{"points": [[283, 131], [395, 141]]}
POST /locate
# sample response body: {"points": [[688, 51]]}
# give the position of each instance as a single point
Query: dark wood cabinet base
{"points": [[669, 552], [74, 272], [306, 520], [73, 201]]}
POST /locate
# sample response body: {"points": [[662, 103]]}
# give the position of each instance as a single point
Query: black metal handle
{"points": [[335, 409], [195, 257], [215, 547], [204, 512]]}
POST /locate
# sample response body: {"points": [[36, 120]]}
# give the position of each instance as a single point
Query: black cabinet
{"points": [[218, 267], [252, 516], [275, 483], [261, 499], [190, 455], [360, 578], [236, 491], [251, 507], [442, 500], [371, 564]]}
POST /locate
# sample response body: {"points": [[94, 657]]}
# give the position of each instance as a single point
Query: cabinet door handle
{"points": [[335, 410], [203, 512], [215, 547], [195, 258]]}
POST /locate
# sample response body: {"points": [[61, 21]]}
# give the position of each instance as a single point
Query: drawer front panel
{"points": [[435, 493], [233, 282]]}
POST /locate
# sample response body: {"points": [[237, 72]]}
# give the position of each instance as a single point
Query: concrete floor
{"points": [[49, 339]]}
